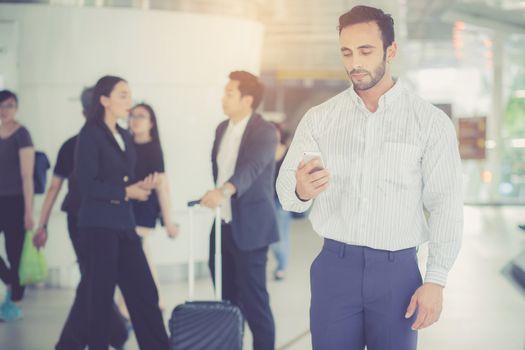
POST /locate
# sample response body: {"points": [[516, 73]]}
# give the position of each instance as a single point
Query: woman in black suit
{"points": [[105, 165]]}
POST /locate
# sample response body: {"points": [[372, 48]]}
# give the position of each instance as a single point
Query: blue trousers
{"points": [[360, 296], [281, 249]]}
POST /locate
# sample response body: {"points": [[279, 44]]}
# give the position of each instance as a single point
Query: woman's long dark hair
{"points": [[154, 131], [103, 87]]}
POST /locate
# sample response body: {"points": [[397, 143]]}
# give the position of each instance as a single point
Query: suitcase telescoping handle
{"points": [[218, 253]]}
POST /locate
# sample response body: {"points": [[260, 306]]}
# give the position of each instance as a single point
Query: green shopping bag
{"points": [[33, 265]]}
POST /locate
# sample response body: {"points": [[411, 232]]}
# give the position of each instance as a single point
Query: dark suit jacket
{"points": [[103, 171], [254, 222]]}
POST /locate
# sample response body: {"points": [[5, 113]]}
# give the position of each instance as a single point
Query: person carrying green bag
{"points": [[33, 265], [17, 159]]}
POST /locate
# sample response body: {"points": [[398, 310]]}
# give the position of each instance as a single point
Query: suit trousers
{"points": [[359, 298], [74, 335], [244, 284], [115, 257]]}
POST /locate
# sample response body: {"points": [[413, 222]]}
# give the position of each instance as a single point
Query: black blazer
{"points": [[254, 222], [103, 171]]}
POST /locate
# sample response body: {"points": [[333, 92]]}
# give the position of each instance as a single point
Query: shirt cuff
{"points": [[436, 275], [297, 205]]}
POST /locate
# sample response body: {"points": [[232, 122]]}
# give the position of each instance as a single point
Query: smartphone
{"points": [[308, 156]]}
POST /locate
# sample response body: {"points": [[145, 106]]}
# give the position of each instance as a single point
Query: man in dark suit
{"points": [[243, 171]]}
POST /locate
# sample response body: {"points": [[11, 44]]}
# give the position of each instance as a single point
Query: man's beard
{"points": [[379, 73]]}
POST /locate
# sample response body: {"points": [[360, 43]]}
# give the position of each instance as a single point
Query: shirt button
{"points": [[126, 179]]}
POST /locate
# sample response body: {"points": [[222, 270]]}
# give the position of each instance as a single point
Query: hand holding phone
{"points": [[311, 176], [309, 156]]}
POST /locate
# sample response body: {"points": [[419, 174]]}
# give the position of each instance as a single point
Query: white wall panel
{"points": [[178, 62]]}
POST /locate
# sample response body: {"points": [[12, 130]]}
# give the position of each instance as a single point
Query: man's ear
{"points": [[391, 52], [248, 101]]}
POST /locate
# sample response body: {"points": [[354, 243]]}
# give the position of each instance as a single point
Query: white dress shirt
{"points": [[227, 158], [120, 141], [385, 167]]}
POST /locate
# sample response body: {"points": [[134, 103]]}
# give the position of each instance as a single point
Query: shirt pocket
{"points": [[400, 168]]}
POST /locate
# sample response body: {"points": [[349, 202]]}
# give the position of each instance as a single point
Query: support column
{"points": [[495, 119]]}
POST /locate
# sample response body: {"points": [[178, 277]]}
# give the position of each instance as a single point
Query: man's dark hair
{"points": [[85, 97], [6, 95], [364, 14], [249, 85]]}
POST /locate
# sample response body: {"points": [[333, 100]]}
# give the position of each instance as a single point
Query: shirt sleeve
{"points": [[443, 198], [23, 139], [303, 141], [158, 160], [65, 160]]}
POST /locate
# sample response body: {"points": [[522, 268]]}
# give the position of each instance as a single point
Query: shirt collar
{"points": [[240, 126], [388, 97]]}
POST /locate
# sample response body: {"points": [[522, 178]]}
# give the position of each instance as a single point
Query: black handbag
{"points": [[40, 172]]}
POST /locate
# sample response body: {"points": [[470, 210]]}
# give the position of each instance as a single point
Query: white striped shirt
{"points": [[385, 167], [227, 158]]}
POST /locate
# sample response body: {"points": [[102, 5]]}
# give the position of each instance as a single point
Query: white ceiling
{"points": [[302, 35]]}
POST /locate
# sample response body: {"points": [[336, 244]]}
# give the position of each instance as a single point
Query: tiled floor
{"points": [[482, 311]]}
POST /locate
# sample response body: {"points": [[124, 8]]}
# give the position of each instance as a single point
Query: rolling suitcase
{"points": [[206, 325]]}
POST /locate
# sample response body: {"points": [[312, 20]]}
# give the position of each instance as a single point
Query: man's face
{"points": [[232, 102], [363, 55]]}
